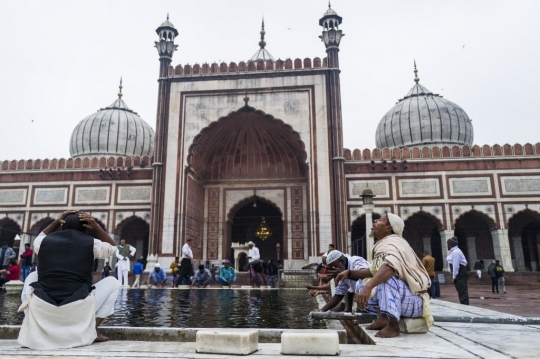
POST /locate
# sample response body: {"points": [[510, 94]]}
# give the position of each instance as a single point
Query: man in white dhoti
{"points": [[62, 307], [124, 252]]}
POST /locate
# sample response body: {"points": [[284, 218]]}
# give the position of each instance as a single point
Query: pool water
{"points": [[220, 308]]}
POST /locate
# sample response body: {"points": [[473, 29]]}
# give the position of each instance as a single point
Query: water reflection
{"points": [[199, 309]]}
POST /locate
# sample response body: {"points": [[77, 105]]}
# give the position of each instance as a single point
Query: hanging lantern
{"points": [[263, 231]]}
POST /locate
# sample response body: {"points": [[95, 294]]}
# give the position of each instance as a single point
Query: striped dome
{"points": [[423, 118], [115, 130]]}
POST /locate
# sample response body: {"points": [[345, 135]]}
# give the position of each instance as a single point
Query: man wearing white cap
{"points": [[253, 255], [337, 263], [396, 283], [157, 277]]}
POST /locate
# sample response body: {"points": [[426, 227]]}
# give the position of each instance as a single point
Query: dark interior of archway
{"points": [[420, 226], [474, 225], [529, 240], [248, 219], [134, 230], [8, 230], [358, 236]]}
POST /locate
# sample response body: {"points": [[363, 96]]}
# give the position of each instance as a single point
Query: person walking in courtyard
{"points": [[26, 261], [499, 271], [6, 255], [124, 252], [137, 270], [12, 272], [227, 274], [492, 271], [106, 270], [429, 263], [397, 281], [272, 273], [202, 277], [186, 266], [478, 267], [458, 266], [69, 308]]}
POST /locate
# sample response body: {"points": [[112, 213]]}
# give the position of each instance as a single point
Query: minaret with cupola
{"points": [[331, 36]]}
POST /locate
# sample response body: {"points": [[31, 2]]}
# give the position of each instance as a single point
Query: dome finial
{"points": [[167, 15], [416, 79], [262, 43], [120, 87], [329, 6]]}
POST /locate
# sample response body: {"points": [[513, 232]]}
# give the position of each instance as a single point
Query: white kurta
{"points": [[254, 254], [124, 265]]}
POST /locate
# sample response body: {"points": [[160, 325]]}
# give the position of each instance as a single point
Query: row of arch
{"points": [[475, 234], [442, 152]]}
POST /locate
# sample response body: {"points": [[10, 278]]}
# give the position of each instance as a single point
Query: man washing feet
{"points": [[62, 307], [396, 283]]}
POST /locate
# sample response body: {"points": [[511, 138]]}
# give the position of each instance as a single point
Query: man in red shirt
{"points": [[11, 273]]}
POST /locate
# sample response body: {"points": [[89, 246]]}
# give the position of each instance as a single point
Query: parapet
{"points": [[75, 163]]}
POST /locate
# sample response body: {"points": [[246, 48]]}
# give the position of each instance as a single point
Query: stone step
{"points": [[227, 341], [309, 342]]}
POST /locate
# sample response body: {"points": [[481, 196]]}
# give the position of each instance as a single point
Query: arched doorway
{"points": [[524, 237], [8, 230], [135, 231], [473, 230], [358, 235], [422, 231], [246, 220]]}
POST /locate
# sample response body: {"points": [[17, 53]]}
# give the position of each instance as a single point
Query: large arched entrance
{"points": [[473, 230], [524, 236], [135, 231], [8, 230], [422, 231], [246, 219], [358, 235]]}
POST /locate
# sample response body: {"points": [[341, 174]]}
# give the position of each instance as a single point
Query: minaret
{"points": [[331, 36], [165, 47]]}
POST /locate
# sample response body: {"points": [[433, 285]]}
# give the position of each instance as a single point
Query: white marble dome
{"points": [[423, 118], [115, 130]]}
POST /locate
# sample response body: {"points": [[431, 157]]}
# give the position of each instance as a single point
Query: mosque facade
{"points": [[253, 151]]}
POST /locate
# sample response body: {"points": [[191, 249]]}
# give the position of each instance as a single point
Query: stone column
{"points": [[471, 251], [369, 223], [518, 252], [501, 248], [427, 245], [445, 235]]}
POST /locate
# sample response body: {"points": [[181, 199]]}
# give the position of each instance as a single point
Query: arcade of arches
{"points": [[475, 235]]}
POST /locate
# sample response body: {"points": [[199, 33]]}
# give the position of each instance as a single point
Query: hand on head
{"points": [[90, 221]]}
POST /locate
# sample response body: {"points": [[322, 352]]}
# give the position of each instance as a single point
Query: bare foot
{"points": [[390, 331], [100, 337], [379, 323]]}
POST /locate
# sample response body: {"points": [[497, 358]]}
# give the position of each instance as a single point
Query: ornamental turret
{"points": [[331, 35]]}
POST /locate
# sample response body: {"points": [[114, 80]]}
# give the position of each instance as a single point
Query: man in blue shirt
{"points": [[157, 277], [202, 277], [227, 274], [458, 266], [137, 270]]}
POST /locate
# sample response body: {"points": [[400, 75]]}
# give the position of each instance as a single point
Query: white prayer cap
{"points": [[250, 243], [333, 256], [396, 222], [157, 265]]}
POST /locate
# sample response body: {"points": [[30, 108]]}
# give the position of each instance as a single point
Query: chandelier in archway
{"points": [[263, 231]]}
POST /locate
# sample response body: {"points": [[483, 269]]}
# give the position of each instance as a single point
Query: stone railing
{"points": [[247, 66], [75, 163], [442, 152]]}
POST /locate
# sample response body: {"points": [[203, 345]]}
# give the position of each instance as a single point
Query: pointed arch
{"points": [[135, 230], [473, 229], [422, 231], [524, 238]]}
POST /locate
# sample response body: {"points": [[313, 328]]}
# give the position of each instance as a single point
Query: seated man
{"points": [[157, 277], [338, 262], [60, 300], [227, 274], [11, 273], [202, 277], [397, 282]]}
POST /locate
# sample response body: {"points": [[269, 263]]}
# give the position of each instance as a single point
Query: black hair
{"points": [[319, 268], [13, 262], [201, 266], [332, 245], [72, 221], [4, 243], [27, 244]]}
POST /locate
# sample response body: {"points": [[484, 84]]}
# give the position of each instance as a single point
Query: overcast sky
{"points": [[61, 60]]}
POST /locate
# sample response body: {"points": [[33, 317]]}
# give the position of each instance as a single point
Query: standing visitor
{"points": [[499, 270], [124, 252], [458, 266], [429, 263], [137, 270], [11, 273], [478, 267], [186, 263], [272, 273], [106, 270], [227, 274], [6, 255], [26, 259], [492, 271], [258, 273], [70, 308], [253, 255]]}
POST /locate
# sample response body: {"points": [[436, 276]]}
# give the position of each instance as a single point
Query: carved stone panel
{"points": [[419, 187], [134, 194], [477, 186], [13, 197], [297, 222], [521, 185], [92, 195], [379, 187], [43, 196]]}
